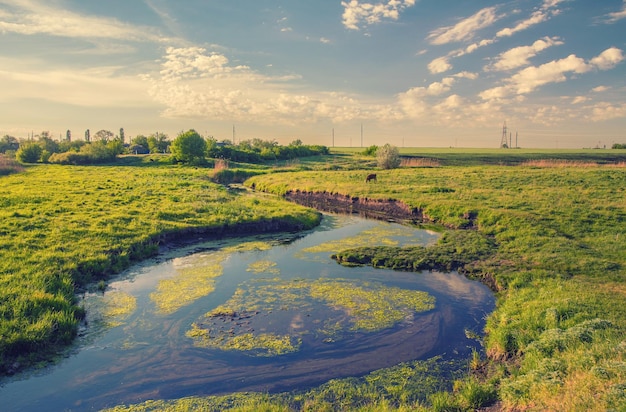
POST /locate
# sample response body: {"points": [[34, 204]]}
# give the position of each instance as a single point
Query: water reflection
{"points": [[133, 350]]}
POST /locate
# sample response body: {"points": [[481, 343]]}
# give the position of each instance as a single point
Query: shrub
{"points": [[388, 157], [29, 153], [370, 151], [189, 147]]}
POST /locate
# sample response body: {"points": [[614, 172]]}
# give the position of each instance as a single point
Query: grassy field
{"points": [[554, 229], [64, 227]]}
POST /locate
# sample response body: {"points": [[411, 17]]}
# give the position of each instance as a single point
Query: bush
{"points": [[388, 157], [29, 153], [189, 147], [370, 151]]}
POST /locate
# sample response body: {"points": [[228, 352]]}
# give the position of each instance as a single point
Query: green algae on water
{"points": [[263, 266], [195, 277], [113, 308], [271, 316]]}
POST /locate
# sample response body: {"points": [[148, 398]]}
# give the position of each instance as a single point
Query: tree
{"points": [[122, 136], [104, 135], [8, 143], [68, 135], [87, 135], [48, 144], [189, 147], [29, 153], [158, 143], [388, 157]]}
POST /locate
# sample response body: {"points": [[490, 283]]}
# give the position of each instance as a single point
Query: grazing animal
{"points": [[370, 177]]}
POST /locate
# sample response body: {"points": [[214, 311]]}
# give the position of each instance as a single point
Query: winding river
{"points": [[268, 313]]}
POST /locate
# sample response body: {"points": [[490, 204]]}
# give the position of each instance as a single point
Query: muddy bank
{"points": [[196, 234], [388, 209]]}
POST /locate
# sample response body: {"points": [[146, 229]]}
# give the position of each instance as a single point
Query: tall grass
{"points": [[9, 166]]}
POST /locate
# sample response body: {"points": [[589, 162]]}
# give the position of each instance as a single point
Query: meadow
{"points": [[65, 228], [546, 228]]}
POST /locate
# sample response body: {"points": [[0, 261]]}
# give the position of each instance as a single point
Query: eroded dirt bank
{"points": [[385, 209]]}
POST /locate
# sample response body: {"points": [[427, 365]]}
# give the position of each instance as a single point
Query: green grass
{"points": [[62, 228], [474, 156], [556, 339]]}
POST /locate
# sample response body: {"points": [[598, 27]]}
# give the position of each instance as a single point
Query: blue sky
{"points": [[409, 72]]}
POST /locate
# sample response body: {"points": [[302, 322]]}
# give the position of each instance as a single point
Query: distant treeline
{"points": [[619, 146], [259, 151], [104, 147]]}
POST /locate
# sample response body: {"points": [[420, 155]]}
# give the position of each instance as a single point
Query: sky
{"points": [[412, 73]]}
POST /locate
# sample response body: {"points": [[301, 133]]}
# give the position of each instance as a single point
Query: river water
{"points": [[137, 343]]}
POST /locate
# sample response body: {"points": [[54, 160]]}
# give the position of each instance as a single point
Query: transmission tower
{"points": [[504, 144]]}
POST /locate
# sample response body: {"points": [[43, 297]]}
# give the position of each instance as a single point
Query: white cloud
{"points": [[545, 13], [32, 17], [608, 111], [324, 40], [357, 14], [467, 75], [464, 29], [467, 28], [519, 56], [600, 89], [608, 59], [528, 79], [579, 99], [415, 101], [193, 83], [616, 16], [439, 65]]}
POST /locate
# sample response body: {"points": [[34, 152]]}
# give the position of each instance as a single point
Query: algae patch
{"points": [[379, 235], [263, 266], [111, 309], [271, 316], [195, 277]]}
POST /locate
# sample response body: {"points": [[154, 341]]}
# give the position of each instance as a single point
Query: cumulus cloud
{"points": [[357, 14], [467, 75], [519, 56], [194, 83], [608, 59], [439, 65], [464, 29], [29, 17], [527, 80], [608, 111], [416, 101]]}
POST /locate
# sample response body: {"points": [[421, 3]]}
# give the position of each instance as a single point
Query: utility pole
{"points": [[503, 140], [361, 134]]}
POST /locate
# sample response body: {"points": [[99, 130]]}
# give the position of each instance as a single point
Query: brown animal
{"points": [[370, 177]]}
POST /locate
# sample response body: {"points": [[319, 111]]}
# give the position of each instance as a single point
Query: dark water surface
{"points": [[145, 353]]}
